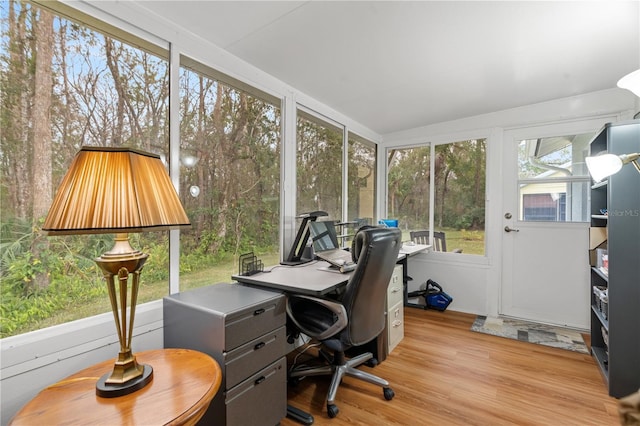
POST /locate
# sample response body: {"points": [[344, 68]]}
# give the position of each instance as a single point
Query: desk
{"points": [[314, 278], [311, 279], [184, 383]]}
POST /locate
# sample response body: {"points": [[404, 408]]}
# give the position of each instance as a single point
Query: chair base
{"points": [[340, 368]]}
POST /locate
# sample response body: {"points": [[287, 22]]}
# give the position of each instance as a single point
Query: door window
{"points": [[553, 181]]}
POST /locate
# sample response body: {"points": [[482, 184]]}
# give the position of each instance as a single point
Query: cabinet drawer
{"points": [[249, 324], [394, 291], [246, 359], [261, 399], [395, 325]]}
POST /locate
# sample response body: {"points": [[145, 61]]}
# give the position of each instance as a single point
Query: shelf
{"points": [[600, 184], [600, 273], [600, 356], [615, 339], [601, 318]]}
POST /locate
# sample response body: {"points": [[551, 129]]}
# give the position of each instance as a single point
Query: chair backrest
{"points": [[376, 250], [422, 237]]}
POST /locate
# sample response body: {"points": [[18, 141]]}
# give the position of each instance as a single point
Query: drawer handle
{"points": [[397, 323], [260, 380], [258, 346], [395, 289], [258, 311]]}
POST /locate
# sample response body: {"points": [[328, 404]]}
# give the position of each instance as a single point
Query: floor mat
{"points": [[541, 334]]}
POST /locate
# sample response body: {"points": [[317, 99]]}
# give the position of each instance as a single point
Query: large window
{"points": [[82, 87], [98, 85], [319, 166], [552, 179], [440, 188], [229, 176]]}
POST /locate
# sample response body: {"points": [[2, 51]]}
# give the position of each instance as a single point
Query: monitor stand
{"points": [[299, 253]]}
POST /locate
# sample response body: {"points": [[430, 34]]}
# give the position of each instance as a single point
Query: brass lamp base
{"points": [[117, 265], [113, 390]]}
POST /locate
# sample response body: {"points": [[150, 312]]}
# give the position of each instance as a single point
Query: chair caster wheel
{"points": [[372, 362], [332, 410], [389, 394]]}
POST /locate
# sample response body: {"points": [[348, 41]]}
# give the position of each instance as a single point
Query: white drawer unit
{"points": [[394, 292], [395, 310]]}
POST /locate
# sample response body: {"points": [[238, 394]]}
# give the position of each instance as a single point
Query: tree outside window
{"points": [[64, 85], [457, 187]]}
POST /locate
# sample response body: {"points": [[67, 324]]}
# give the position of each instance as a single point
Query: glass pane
{"points": [[554, 201], [408, 188], [229, 179], [553, 178], [362, 181], [460, 176], [97, 91], [319, 167], [553, 157]]}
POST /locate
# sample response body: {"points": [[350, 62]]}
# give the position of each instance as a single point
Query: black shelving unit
{"points": [[615, 325]]}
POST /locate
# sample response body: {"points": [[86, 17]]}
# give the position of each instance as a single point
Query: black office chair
{"points": [[439, 240], [356, 318]]}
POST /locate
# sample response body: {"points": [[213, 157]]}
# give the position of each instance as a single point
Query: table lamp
{"points": [[604, 165], [631, 82], [119, 191]]}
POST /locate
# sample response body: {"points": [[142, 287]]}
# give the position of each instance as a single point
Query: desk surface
{"points": [[411, 249], [313, 278], [184, 383]]}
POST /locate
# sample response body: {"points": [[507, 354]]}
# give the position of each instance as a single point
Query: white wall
{"points": [[35, 360], [474, 281]]}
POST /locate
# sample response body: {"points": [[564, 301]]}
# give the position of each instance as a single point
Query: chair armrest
{"points": [[317, 318]]}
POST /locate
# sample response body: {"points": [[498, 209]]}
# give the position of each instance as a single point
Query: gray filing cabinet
{"points": [[243, 329]]}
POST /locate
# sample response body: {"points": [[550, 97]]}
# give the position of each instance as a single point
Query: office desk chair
{"points": [[439, 240], [356, 318]]}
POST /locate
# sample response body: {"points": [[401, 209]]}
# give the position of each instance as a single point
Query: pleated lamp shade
{"points": [[115, 190]]}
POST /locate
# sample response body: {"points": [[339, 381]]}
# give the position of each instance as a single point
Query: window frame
{"points": [[489, 135], [98, 19]]}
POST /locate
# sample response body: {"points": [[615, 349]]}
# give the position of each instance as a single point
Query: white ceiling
{"points": [[396, 65]]}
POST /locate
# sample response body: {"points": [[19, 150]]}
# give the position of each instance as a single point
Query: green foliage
{"points": [[156, 268], [24, 306]]}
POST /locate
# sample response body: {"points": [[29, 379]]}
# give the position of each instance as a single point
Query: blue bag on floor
{"points": [[435, 297]]}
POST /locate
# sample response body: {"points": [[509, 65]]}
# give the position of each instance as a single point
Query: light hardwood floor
{"points": [[444, 374]]}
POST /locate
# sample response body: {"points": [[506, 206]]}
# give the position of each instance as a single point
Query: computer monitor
{"points": [[323, 235]]}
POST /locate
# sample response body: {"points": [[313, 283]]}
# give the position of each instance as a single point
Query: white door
{"points": [[545, 266]]}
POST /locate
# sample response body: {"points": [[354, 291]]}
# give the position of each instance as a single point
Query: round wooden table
{"points": [[184, 383]]}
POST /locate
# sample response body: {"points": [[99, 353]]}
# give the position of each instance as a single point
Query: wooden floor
{"points": [[444, 374]]}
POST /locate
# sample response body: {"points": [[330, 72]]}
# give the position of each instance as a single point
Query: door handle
{"points": [[507, 229]]}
